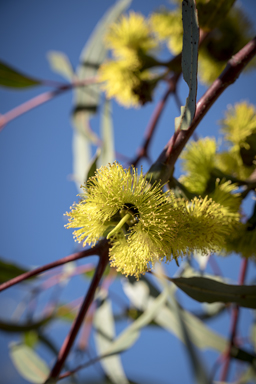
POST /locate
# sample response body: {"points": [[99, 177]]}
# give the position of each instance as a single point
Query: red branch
{"points": [[75, 256], [40, 99], [230, 74], [234, 322], [143, 150], [69, 341]]}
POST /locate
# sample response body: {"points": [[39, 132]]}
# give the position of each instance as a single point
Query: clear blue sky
{"points": [[36, 164]]}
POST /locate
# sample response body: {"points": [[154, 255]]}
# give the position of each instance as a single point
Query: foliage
{"points": [[136, 221]]}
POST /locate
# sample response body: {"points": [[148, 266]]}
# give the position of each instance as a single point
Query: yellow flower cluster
{"points": [[130, 40], [239, 131], [143, 223]]}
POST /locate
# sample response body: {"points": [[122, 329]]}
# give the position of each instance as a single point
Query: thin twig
{"points": [[39, 100], [46, 267], [143, 150], [70, 339], [234, 322]]}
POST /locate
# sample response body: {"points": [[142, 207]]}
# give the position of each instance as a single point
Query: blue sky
{"points": [[36, 163]]}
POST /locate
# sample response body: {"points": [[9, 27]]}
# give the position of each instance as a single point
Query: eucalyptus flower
{"points": [[130, 34], [138, 218], [198, 162], [205, 227]]}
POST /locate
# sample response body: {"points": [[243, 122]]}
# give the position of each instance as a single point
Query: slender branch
{"points": [[230, 74], [54, 264], [234, 322], [69, 341], [39, 100], [143, 150]]}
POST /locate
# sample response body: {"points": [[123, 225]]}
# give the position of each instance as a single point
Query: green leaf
{"points": [[107, 136], [17, 327], [60, 63], [28, 363], [9, 270], [189, 62], [210, 291], [87, 97], [81, 157], [128, 337], [201, 336], [30, 339], [93, 166], [65, 313], [253, 335], [9, 77], [104, 323], [197, 365], [91, 58]]}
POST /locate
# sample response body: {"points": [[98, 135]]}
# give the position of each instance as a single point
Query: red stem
{"points": [[143, 150], [234, 322], [40, 99], [69, 341], [57, 263]]}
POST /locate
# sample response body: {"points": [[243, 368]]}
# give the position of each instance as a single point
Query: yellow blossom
{"points": [[198, 162], [149, 222], [130, 34], [168, 26], [205, 226]]}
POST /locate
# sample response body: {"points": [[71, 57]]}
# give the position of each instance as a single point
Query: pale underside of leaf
{"points": [[189, 62]]}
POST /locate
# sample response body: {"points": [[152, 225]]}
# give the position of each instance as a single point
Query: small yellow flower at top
{"points": [[130, 34]]}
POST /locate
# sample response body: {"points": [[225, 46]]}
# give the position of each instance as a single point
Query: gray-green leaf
{"points": [[60, 63], [210, 291], [28, 363], [107, 136], [104, 324], [189, 62]]}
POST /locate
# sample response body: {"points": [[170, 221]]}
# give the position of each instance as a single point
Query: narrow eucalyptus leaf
{"points": [[60, 64], [93, 165], [81, 158], [210, 291], [189, 62], [10, 77], [93, 55], [104, 324], [107, 136], [28, 363], [128, 337]]}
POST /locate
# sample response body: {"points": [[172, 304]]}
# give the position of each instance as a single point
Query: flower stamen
{"points": [[117, 228]]}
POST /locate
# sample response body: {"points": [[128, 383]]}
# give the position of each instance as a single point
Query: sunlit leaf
{"points": [[201, 336], [10, 77], [210, 291], [60, 63], [189, 62], [81, 157], [128, 337], [104, 324], [107, 136], [28, 363], [201, 375]]}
